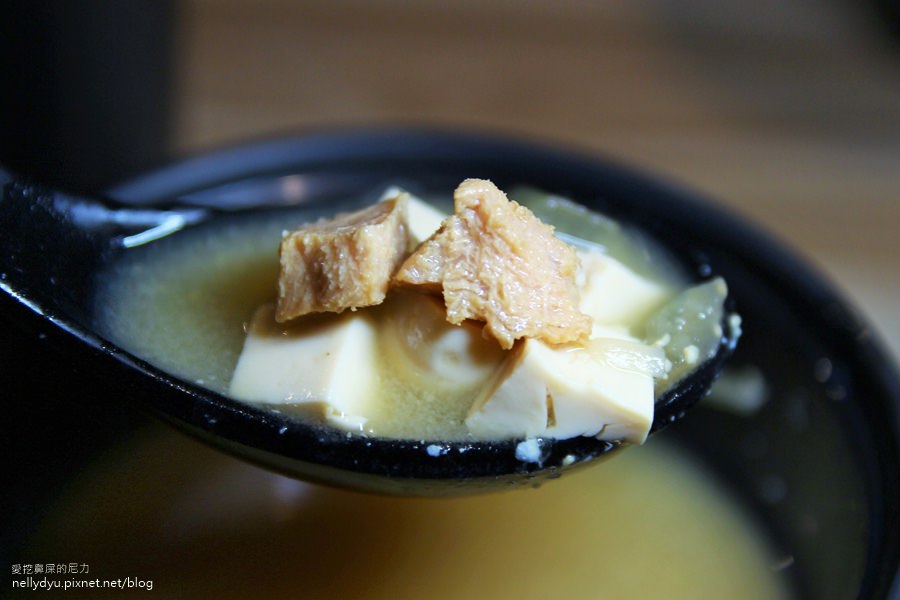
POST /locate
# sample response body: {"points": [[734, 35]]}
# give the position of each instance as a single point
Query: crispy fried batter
{"points": [[344, 262], [496, 262]]}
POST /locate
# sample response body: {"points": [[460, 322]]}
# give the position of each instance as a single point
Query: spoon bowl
{"points": [[53, 246]]}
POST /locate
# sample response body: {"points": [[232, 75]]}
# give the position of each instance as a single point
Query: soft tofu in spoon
{"points": [[326, 361], [570, 390], [543, 336]]}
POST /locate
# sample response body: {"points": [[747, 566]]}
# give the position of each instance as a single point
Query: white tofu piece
{"points": [[592, 395], [423, 219], [611, 293], [513, 404], [603, 388], [326, 359]]}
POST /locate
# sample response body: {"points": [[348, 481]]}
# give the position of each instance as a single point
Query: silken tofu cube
{"points": [[327, 362], [344, 262], [602, 388], [611, 293]]}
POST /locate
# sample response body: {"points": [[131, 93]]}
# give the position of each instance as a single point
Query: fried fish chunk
{"points": [[344, 262], [495, 262]]}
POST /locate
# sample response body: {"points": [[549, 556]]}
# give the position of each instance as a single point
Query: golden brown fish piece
{"points": [[344, 262], [498, 263]]}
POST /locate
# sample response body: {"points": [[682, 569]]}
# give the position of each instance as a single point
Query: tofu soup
{"points": [[650, 523], [400, 320]]}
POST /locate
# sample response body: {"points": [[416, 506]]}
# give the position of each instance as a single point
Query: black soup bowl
{"points": [[817, 461]]}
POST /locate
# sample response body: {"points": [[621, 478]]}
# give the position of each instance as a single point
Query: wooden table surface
{"points": [[786, 111]]}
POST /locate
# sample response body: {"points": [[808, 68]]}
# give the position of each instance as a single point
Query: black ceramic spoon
{"points": [[52, 245]]}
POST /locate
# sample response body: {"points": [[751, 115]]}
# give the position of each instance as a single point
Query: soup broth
{"points": [[648, 524]]}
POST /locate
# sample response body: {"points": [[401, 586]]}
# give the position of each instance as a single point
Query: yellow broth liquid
{"points": [[649, 523]]}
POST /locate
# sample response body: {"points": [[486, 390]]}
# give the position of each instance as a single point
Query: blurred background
{"points": [[786, 111]]}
